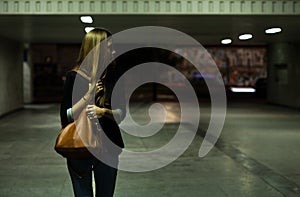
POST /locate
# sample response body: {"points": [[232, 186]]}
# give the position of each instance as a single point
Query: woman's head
{"points": [[90, 40]]}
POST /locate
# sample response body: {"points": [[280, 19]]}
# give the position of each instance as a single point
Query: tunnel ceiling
{"points": [[207, 29]]}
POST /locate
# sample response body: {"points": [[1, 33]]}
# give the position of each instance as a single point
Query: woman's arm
{"points": [[83, 102], [66, 103], [69, 112]]}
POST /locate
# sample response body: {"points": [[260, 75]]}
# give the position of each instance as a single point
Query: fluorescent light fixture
{"points": [[238, 89], [226, 41], [86, 19], [245, 36], [88, 29], [273, 30]]}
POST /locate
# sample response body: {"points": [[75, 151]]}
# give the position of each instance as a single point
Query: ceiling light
{"points": [[226, 41], [273, 30], [88, 29], [245, 36], [238, 89], [86, 19]]}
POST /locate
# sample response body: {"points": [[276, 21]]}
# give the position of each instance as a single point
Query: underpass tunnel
{"points": [[254, 46]]}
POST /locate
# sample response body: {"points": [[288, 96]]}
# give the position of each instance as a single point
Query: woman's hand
{"points": [[94, 111]]}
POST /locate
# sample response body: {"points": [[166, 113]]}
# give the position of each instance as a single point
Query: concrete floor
{"points": [[258, 154]]}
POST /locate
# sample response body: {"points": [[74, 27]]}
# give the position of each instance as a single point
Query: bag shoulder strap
{"points": [[84, 75]]}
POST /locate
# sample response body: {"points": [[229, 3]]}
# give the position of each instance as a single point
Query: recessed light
{"points": [[245, 36], [88, 29], [226, 41], [239, 89], [273, 30], [86, 19]]}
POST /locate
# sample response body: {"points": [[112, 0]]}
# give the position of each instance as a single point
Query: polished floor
{"points": [[258, 154]]}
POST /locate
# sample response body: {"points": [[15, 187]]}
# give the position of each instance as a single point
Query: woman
{"points": [[80, 170]]}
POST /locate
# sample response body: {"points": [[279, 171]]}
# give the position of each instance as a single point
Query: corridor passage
{"points": [[256, 155]]}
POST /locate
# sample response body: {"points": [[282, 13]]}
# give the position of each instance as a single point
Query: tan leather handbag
{"points": [[79, 138]]}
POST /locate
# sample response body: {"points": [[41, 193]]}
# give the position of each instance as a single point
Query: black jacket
{"points": [[110, 127]]}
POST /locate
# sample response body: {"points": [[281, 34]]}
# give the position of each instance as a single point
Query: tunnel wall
{"points": [[284, 74], [11, 76]]}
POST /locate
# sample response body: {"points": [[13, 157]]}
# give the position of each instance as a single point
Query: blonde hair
{"points": [[90, 40]]}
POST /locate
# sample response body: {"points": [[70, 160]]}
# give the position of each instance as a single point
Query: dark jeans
{"points": [[80, 171]]}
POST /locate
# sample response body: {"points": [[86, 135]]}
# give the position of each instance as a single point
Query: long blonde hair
{"points": [[90, 40]]}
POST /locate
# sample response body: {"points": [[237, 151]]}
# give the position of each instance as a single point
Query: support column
{"points": [[284, 74], [27, 75]]}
